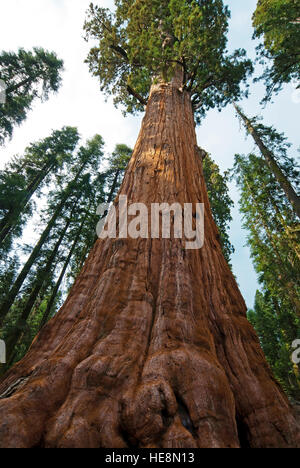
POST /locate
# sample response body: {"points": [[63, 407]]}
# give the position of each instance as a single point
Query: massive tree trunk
{"points": [[152, 347]]}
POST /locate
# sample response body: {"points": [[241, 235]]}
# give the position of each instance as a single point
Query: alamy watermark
{"points": [[296, 92], [2, 352], [135, 221], [296, 354], [3, 88]]}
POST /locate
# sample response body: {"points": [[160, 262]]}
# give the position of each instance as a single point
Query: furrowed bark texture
{"points": [[152, 347]]}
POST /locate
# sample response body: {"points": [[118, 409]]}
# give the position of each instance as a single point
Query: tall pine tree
{"points": [[273, 148]]}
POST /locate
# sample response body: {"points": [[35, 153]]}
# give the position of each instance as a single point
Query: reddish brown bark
{"points": [[152, 347]]}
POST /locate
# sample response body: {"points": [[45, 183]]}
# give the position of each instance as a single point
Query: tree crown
{"points": [[144, 40], [28, 75]]}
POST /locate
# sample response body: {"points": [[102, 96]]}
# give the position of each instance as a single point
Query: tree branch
{"points": [[137, 95], [120, 51], [195, 108], [193, 76]]}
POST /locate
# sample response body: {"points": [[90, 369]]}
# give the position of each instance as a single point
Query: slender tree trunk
{"points": [[61, 277], [12, 294], [152, 347], [35, 310], [12, 89], [271, 161], [10, 220], [41, 277], [110, 198], [113, 187], [290, 287], [292, 241]]}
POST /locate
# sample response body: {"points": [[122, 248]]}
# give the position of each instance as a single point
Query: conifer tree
{"points": [[273, 147], [276, 341], [87, 159], [220, 202], [273, 238], [277, 22], [24, 177], [28, 75]]}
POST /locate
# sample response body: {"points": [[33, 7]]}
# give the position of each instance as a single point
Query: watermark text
{"points": [[2, 352], [3, 89], [164, 221], [296, 354]]}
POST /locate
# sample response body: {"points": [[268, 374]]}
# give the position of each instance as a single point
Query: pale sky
{"points": [[57, 25]]}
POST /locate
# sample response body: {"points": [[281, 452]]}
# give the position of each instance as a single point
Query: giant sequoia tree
{"points": [[152, 347]]}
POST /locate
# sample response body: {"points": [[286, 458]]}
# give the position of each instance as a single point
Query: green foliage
{"points": [[276, 340], [119, 159], [106, 186], [81, 187], [25, 176], [277, 144], [28, 76], [8, 271], [220, 202], [273, 149], [144, 41], [278, 23], [66, 187], [273, 238]]}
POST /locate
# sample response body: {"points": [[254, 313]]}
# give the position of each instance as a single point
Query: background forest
{"points": [[64, 150]]}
